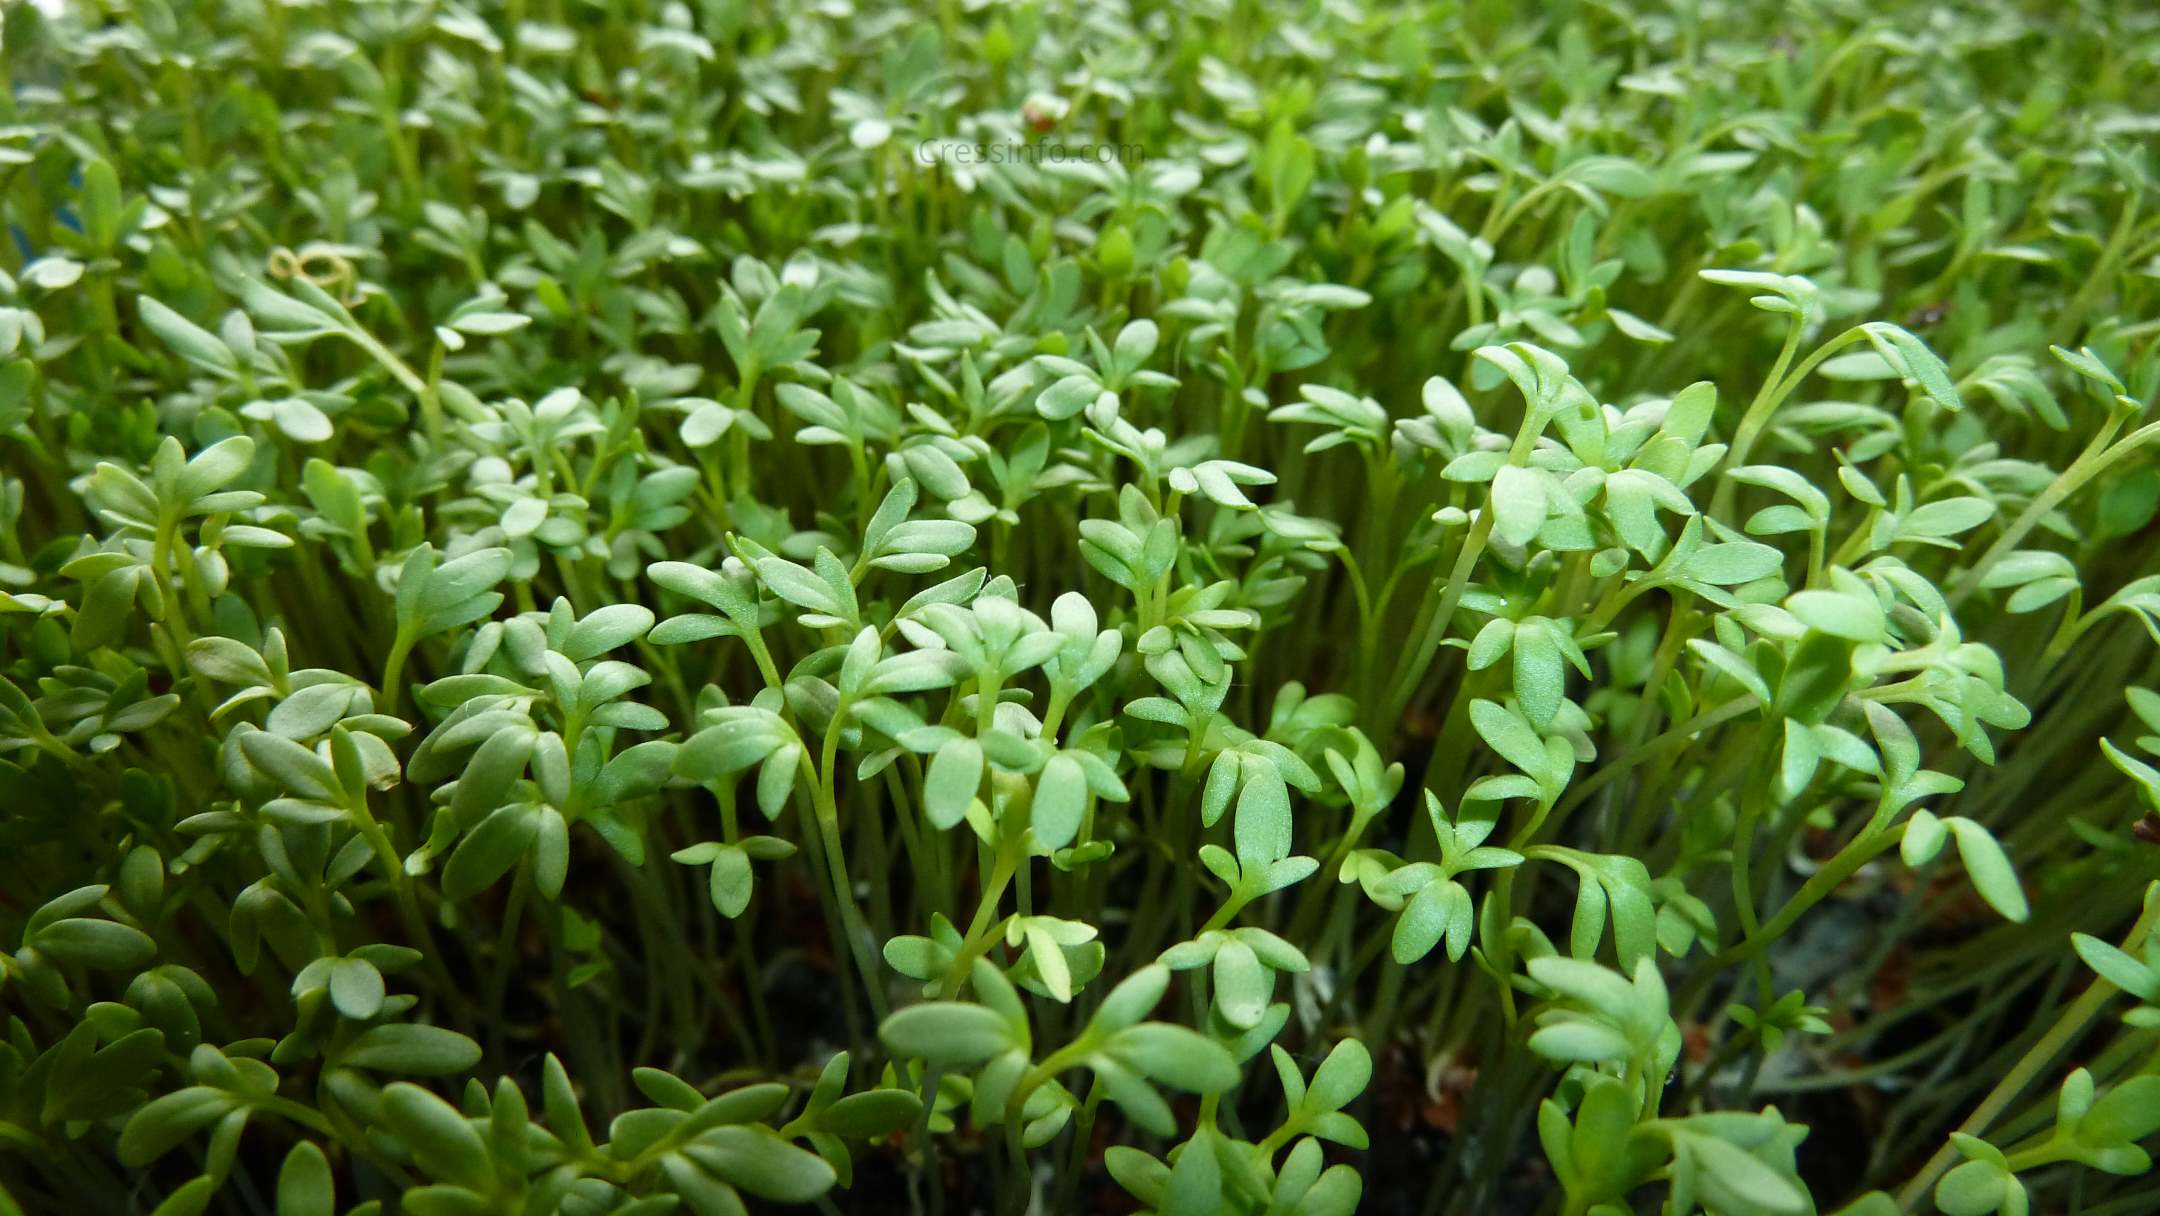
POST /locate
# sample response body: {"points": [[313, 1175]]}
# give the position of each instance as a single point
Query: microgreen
{"points": [[601, 611]]}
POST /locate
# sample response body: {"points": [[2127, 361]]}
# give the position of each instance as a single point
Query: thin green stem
{"points": [[2067, 1027]]}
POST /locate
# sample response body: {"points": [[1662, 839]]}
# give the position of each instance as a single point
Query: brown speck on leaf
{"points": [[1819, 844], [1398, 1094], [1421, 725], [1695, 1039], [1448, 1082], [1039, 120], [1887, 989], [2147, 828]]}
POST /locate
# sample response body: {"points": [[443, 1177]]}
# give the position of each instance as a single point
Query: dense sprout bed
{"points": [[618, 607]]}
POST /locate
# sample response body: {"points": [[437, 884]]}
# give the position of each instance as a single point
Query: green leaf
{"points": [[1509, 735], [732, 881], [1735, 1180], [489, 850], [949, 785], [1923, 838], [1195, 1184], [1947, 517], [1638, 328], [1261, 823], [755, 1160], [1068, 396], [946, 1032], [1975, 1188], [1518, 504], [304, 1185], [299, 769], [1732, 563], [798, 586], [605, 629], [2118, 968], [1341, 1077], [101, 204], [1242, 985], [1919, 364], [356, 988], [439, 1138], [160, 1125], [1135, 342], [1852, 617], [560, 1103], [1060, 801], [214, 468], [2128, 1112], [1424, 921], [1175, 1056], [188, 340], [1612, 175], [729, 747], [191, 1198], [411, 1050], [874, 1113], [1989, 868], [1540, 681], [1131, 1000], [94, 943]]}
